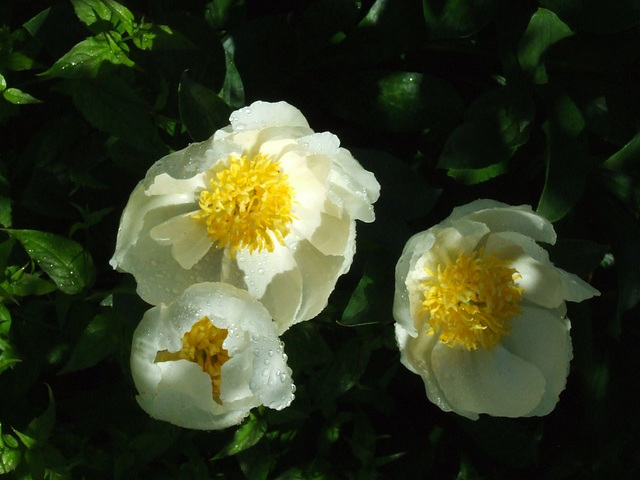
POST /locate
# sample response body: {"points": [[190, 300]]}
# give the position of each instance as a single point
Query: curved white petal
{"points": [[164, 184], [542, 339], [413, 250], [179, 391], [521, 219], [274, 279], [188, 239], [259, 115], [487, 381]]}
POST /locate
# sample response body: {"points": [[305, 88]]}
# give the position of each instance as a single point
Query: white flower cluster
{"points": [[234, 240]]}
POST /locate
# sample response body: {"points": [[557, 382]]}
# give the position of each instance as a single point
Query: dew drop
{"points": [[265, 372], [270, 352]]}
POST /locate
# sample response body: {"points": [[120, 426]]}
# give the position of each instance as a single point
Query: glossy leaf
{"points": [[544, 29], [568, 162], [246, 436], [202, 111], [65, 261], [457, 19], [18, 97], [88, 57]]}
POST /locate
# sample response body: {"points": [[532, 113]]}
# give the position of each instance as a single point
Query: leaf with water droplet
{"points": [[65, 261]]}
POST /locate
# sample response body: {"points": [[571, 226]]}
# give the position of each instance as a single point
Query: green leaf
{"points": [[306, 347], [595, 16], [18, 97], [577, 256], [202, 111], [9, 453], [88, 57], [98, 340], [395, 101], [33, 25], [122, 14], [41, 427], [25, 284], [220, 14], [232, 91], [94, 13], [246, 436], [3, 83], [478, 175], [544, 30], [64, 260], [627, 158], [568, 162], [457, 19], [256, 462], [104, 104], [371, 300]]}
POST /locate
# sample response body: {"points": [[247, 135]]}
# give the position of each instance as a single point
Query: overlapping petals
{"points": [[204, 360], [522, 372], [167, 250]]}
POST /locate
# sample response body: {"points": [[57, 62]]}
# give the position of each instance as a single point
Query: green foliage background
{"points": [[446, 101]]}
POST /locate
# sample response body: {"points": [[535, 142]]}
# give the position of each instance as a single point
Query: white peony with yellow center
{"points": [[480, 312], [205, 360], [266, 205]]}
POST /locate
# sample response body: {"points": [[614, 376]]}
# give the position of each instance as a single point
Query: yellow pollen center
{"points": [[247, 205], [472, 301], [202, 345]]}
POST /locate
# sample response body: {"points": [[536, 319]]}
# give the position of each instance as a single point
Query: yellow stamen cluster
{"points": [[471, 302], [202, 345], [248, 204]]}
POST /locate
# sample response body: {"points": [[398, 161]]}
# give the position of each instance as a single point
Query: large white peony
{"points": [[206, 359], [480, 312], [266, 205]]}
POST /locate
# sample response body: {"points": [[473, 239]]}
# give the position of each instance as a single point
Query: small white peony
{"points": [[206, 359], [480, 312], [266, 205]]}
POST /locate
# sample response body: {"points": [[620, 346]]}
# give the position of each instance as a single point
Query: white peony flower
{"points": [[206, 359], [480, 312], [266, 205]]}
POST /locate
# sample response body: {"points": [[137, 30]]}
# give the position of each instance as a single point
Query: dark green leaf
{"points": [[88, 57], [545, 29], [479, 175], [221, 14], [256, 462], [5, 203], [568, 162], [41, 427], [577, 256], [457, 19], [64, 260], [246, 436], [18, 97], [98, 340], [103, 104], [202, 111], [306, 347], [594, 16], [373, 297], [33, 25], [395, 101], [232, 91], [627, 158]]}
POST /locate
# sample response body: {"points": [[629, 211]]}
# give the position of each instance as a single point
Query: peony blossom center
{"points": [[202, 345], [472, 301], [248, 205]]}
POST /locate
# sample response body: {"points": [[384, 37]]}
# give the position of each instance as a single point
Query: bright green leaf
{"points": [[64, 260], [246, 436], [9, 452], [33, 25], [545, 29], [202, 111], [3, 83], [457, 19], [568, 162], [93, 13], [478, 175], [18, 97], [88, 57]]}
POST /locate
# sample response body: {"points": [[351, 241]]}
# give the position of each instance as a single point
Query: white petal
{"points": [[274, 279], [131, 224], [264, 114], [164, 184], [475, 206], [521, 219], [542, 339], [327, 233], [413, 250], [188, 239], [575, 289], [319, 276], [352, 187], [325, 143], [487, 381], [415, 354]]}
